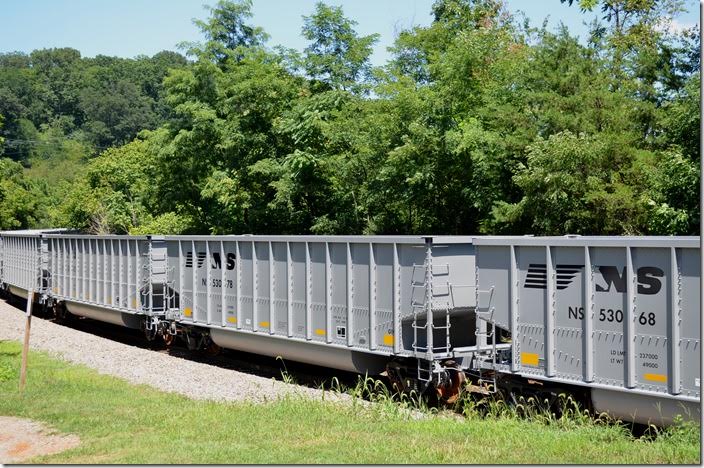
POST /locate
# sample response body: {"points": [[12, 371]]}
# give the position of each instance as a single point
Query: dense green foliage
{"points": [[53, 95], [479, 124]]}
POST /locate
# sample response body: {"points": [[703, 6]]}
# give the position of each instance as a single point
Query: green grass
{"points": [[123, 423]]}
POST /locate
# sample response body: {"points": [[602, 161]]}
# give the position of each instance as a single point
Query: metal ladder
{"points": [[488, 317], [428, 353], [158, 274], [160, 300]]}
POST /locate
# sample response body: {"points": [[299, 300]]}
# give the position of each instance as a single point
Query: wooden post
{"points": [[25, 347]]}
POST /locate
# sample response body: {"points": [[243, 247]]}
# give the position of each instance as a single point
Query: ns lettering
{"points": [[216, 260]]}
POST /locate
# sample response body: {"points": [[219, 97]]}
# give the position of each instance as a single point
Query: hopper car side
{"points": [[615, 318]]}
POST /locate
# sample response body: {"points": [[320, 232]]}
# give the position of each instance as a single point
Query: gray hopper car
{"points": [[518, 312], [620, 315], [362, 298]]}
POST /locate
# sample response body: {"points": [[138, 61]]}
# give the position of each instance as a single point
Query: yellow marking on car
{"points": [[264, 324], [655, 377], [187, 312], [232, 319], [529, 359], [388, 340], [320, 331]]}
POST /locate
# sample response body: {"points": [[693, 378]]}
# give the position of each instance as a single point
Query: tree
{"points": [[115, 195], [451, 111], [2, 140], [21, 200], [59, 70], [636, 29], [576, 184], [305, 180], [628, 15], [337, 56], [227, 32], [680, 119], [223, 124], [115, 112], [674, 196]]}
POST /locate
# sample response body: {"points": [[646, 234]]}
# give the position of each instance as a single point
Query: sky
{"points": [[127, 28]]}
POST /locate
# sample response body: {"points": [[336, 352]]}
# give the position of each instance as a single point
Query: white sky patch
{"points": [[673, 26]]}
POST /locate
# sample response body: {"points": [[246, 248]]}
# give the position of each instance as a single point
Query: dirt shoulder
{"points": [[22, 439]]}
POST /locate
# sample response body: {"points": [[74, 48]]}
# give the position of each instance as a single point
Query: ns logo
{"points": [[612, 278], [647, 278], [216, 260]]}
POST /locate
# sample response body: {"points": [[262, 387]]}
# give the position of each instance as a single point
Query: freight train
{"points": [[615, 318]]}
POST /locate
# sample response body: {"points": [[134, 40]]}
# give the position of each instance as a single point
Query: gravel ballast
{"points": [[143, 366]]}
